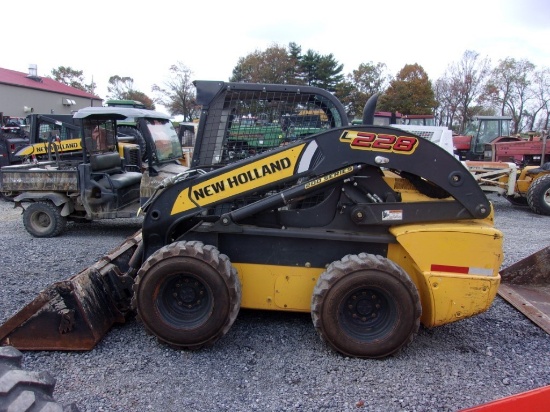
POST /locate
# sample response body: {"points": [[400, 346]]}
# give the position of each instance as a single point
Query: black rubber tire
{"points": [[517, 201], [43, 219], [22, 390], [538, 195], [9, 197], [366, 306], [140, 140], [187, 294]]}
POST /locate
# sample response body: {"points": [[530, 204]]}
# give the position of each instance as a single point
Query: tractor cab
{"points": [[481, 130]]}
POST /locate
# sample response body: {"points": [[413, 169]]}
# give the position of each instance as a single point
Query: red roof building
{"points": [[24, 93]]}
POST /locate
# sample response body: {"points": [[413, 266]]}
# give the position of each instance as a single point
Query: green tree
{"points": [[309, 65], [287, 65], [178, 93], [272, 65], [295, 75], [329, 73], [123, 88], [71, 77], [367, 80], [409, 93], [321, 71]]}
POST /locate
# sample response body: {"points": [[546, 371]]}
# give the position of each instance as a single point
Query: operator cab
{"points": [[483, 130]]}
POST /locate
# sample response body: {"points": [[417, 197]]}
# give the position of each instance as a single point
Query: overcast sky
{"points": [[143, 39]]}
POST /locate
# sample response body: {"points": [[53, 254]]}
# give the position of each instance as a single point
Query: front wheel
{"points": [[187, 294], [365, 306], [538, 195], [43, 219]]}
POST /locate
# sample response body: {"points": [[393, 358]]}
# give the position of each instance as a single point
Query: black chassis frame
{"points": [[348, 219]]}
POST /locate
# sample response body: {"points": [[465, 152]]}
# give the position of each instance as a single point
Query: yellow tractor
{"points": [[371, 229]]}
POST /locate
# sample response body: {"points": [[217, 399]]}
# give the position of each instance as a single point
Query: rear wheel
{"points": [[43, 219], [136, 134], [538, 195], [187, 294], [365, 306]]}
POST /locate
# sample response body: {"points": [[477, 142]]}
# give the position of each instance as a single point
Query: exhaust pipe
{"points": [[370, 108]]}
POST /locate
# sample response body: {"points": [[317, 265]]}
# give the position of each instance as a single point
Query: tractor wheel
{"points": [[365, 306], [538, 195], [8, 196], [22, 390], [135, 133], [43, 219], [187, 294], [517, 201]]}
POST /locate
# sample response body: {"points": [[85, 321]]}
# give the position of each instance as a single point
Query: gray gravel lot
{"points": [[275, 361]]}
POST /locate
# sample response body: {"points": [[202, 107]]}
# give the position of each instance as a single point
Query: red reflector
{"points": [[446, 268]]}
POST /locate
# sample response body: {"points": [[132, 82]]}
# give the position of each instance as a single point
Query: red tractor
{"points": [[532, 151], [482, 130]]}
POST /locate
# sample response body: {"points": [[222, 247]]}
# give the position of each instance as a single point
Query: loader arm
{"points": [[352, 153]]}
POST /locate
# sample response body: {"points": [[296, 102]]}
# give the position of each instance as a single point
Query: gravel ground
{"points": [[275, 361]]}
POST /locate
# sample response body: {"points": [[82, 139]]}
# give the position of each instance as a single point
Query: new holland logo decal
{"points": [[248, 177], [379, 142], [42, 148]]}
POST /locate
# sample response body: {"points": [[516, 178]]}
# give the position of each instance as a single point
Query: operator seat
{"points": [[108, 167]]}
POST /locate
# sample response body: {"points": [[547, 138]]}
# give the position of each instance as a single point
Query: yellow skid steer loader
{"points": [[373, 230]]}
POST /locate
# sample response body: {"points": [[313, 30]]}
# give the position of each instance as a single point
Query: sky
{"points": [[142, 40]]}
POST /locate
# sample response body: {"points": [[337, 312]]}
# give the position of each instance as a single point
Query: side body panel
{"points": [[454, 266]]}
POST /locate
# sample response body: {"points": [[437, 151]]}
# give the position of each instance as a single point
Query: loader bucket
{"points": [[76, 313], [526, 285]]}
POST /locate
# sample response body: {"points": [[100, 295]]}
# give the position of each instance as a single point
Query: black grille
{"points": [[132, 156]]}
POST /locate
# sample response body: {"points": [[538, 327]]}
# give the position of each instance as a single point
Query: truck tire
{"points": [[365, 306], [43, 219], [538, 195], [187, 294], [140, 140], [22, 390]]}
